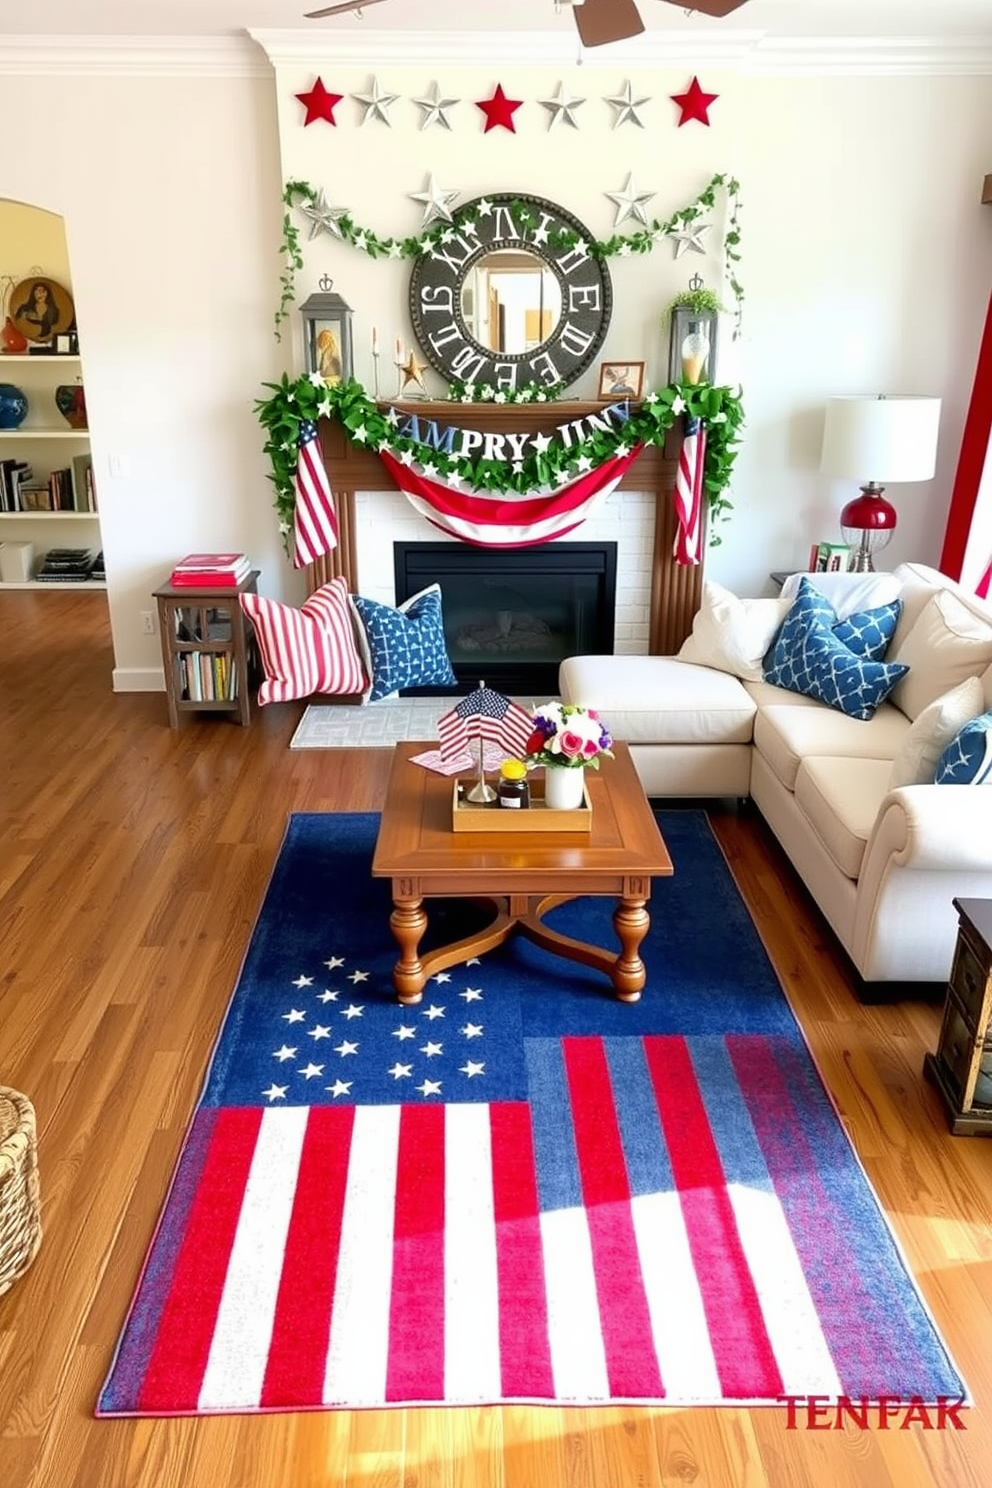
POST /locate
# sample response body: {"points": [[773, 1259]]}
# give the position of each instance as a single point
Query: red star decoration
{"points": [[499, 110], [319, 103], [694, 103]]}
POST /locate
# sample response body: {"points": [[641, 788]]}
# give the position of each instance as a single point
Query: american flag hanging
{"points": [[315, 523], [689, 493], [484, 714]]}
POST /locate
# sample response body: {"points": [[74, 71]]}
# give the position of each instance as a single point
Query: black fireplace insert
{"points": [[512, 615]]}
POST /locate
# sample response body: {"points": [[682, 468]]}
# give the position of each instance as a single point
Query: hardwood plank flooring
{"points": [[133, 860]]}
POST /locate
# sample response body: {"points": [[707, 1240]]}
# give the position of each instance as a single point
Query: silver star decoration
{"points": [[630, 202], [626, 106], [562, 108], [435, 108], [690, 239], [376, 103], [323, 217], [436, 201]]}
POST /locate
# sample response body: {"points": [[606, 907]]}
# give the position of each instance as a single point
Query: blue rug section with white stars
{"points": [[315, 1018]]}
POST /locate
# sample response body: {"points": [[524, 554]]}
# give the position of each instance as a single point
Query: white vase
{"points": [[563, 787]]}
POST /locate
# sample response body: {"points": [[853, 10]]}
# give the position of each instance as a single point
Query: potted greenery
{"points": [[694, 315]]}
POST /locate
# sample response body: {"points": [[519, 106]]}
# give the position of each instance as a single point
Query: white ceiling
{"points": [[956, 19]]}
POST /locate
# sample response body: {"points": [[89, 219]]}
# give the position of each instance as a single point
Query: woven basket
{"points": [[20, 1207]]}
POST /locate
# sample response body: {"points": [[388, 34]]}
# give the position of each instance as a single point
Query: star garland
{"points": [[620, 245], [307, 397]]}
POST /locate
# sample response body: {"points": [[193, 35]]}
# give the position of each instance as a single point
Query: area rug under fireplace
{"points": [[520, 1189]]}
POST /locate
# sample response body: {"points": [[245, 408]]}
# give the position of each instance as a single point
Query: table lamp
{"points": [[884, 439]]}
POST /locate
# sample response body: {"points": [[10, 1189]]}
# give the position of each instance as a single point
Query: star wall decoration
{"points": [[322, 216], [562, 108], [435, 108], [690, 239], [694, 103], [436, 201], [376, 103], [413, 371], [499, 110], [627, 106], [630, 202], [319, 104]]}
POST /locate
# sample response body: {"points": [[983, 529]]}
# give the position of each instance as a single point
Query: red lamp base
{"points": [[867, 524]]}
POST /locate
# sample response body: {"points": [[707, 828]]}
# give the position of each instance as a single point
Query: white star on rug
{"points": [[319, 1031], [358, 976], [345, 1048], [431, 1049], [400, 1071], [472, 1030], [352, 1011], [310, 1070], [404, 1032], [442, 976], [334, 962], [472, 961], [276, 1092], [283, 1054], [472, 1068], [472, 994], [340, 1087], [295, 1015], [430, 1087], [328, 996], [303, 981], [433, 1012]]}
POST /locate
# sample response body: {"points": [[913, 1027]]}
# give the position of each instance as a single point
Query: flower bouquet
{"points": [[567, 736]]}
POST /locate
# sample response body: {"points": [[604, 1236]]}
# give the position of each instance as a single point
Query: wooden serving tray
{"points": [[467, 816]]}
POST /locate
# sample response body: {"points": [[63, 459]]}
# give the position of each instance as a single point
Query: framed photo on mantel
{"points": [[620, 380]]}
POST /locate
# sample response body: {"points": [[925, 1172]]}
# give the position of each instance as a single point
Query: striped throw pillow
{"points": [[306, 650]]}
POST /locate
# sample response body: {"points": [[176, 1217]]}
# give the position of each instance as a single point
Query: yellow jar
{"points": [[513, 790]]}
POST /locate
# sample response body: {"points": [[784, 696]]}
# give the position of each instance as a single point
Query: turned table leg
{"points": [[630, 921], [408, 922]]}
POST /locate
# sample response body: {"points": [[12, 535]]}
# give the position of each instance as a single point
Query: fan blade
{"points": [[709, 7], [603, 21], [315, 15]]}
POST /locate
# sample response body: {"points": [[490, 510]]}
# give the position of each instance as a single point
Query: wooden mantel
{"points": [[675, 590]]}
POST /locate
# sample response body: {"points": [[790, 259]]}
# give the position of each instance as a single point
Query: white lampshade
{"points": [[880, 439]]}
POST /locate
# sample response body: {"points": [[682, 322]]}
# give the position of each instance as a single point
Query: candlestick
{"points": [[375, 341]]}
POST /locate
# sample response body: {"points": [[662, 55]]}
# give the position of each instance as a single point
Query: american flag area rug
{"points": [[519, 1189]]}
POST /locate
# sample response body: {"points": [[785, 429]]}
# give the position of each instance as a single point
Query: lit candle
{"points": [[375, 341], [399, 350]]}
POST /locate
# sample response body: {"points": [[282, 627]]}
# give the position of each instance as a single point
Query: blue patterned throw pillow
{"points": [[967, 760], [810, 656], [406, 646]]}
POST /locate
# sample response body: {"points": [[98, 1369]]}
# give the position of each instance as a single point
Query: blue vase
{"points": [[13, 406]]}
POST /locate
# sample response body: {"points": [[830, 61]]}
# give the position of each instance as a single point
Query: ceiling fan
{"points": [[599, 21]]}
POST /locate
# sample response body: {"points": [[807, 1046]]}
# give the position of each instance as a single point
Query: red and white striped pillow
{"points": [[308, 650]]}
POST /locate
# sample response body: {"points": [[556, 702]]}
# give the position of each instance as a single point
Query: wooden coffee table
{"points": [[522, 875]]}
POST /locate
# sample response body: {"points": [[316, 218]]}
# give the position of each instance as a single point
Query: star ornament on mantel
{"points": [[436, 201], [694, 103], [376, 103], [319, 104], [412, 371], [630, 202], [499, 110]]}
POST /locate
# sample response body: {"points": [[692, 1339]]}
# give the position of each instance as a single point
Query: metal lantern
{"points": [[327, 334], [692, 341]]}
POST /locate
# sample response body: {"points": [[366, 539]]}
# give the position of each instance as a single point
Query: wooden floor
{"points": [[132, 864]]}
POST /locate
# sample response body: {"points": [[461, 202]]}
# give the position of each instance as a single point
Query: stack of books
{"points": [[66, 566], [211, 571]]}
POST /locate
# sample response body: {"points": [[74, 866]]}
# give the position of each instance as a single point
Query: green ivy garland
{"points": [[307, 397], [620, 245]]}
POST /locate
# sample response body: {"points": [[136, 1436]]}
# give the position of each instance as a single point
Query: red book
{"points": [[224, 579], [211, 563]]}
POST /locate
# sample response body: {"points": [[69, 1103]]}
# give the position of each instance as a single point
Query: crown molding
{"points": [[254, 53], [235, 55]]}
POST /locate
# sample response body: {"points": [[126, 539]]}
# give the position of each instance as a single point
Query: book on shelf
{"points": [[826, 557], [81, 479], [14, 476], [211, 570]]}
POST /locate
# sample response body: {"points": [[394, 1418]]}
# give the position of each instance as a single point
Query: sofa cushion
{"points": [[659, 699], [811, 659], [307, 650], [932, 731], [841, 797], [967, 760], [948, 643], [865, 633], [733, 634], [786, 735], [404, 647], [847, 592]]}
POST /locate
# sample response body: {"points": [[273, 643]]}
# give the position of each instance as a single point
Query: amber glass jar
{"points": [[513, 790]]}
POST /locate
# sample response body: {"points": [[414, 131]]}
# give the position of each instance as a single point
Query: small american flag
{"points": [[484, 714], [689, 493], [315, 523]]}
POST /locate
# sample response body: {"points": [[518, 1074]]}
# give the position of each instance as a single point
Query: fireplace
{"points": [[512, 615]]}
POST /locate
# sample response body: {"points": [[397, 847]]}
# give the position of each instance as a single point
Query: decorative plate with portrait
{"points": [[41, 309]]}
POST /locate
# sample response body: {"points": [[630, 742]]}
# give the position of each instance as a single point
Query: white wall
{"points": [[866, 268]]}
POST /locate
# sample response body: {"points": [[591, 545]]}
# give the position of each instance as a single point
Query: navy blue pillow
{"points": [[967, 760], [405, 647], [812, 660], [867, 632]]}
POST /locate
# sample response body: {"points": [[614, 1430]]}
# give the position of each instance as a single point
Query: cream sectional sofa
{"points": [[883, 863]]}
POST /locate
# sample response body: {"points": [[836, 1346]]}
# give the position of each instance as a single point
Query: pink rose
{"points": [[571, 743], [590, 748]]}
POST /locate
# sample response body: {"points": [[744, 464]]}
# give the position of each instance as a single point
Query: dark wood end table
{"points": [[523, 876]]}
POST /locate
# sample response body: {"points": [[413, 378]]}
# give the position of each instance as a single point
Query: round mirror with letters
{"points": [[511, 295]]}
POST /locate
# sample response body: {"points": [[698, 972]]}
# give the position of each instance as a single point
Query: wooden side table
{"points": [[208, 648], [961, 1069]]}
